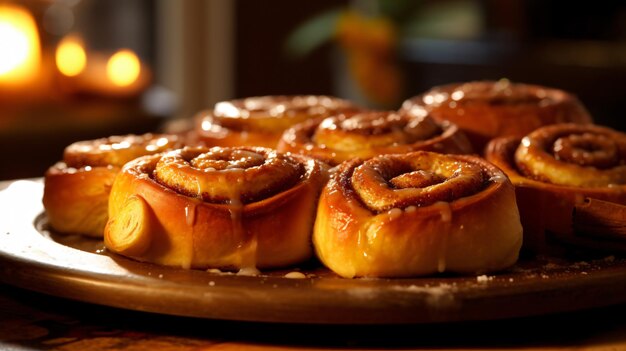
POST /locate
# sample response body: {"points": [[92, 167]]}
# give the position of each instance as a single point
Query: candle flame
{"points": [[123, 68], [71, 58], [20, 52]]}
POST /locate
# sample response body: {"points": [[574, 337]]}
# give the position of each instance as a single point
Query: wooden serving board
{"points": [[79, 268]]}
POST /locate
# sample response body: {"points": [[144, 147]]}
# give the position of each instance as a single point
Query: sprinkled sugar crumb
{"points": [[441, 296], [483, 278], [580, 264], [551, 265], [295, 275]]}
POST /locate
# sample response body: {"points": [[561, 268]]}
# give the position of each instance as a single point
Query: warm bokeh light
{"points": [[20, 52], [123, 68], [70, 56]]}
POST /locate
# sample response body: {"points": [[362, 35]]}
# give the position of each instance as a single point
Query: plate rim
{"points": [[32, 261]]}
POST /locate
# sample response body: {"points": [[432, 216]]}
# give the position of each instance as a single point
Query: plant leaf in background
{"points": [[312, 34], [368, 33], [370, 46]]}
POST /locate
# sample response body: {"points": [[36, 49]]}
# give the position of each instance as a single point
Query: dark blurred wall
{"points": [[262, 66]]}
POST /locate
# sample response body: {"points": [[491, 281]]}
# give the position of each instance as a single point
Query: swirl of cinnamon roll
{"points": [[77, 189], [488, 109], [415, 214], [555, 168], [260, 121], [570, 154], [234, 208], [367, 134]]}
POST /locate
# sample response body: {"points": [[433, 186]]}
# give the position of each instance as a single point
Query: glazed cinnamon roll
{"points": [[416, 214], [558, 168], [367, 134], [488, 109], [233, 208], [77, 189], [260, 121]]}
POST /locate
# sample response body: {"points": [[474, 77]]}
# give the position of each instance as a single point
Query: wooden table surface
{"points": [[32, 321]]}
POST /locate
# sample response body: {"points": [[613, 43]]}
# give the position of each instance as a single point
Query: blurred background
{"points": [[81, 69]]}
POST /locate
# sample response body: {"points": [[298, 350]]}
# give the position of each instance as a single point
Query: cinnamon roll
{"points": [[558, 168], [233, 208], [76, 190], [488, 109], [367, 134], [416, 214], [260, 121]]}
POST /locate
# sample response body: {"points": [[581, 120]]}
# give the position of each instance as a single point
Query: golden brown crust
{"points": [[236, 232], [76, 200], [260, 121], [549, 189], [488, 109], [367, 134], [468, 229], [76, 190]]}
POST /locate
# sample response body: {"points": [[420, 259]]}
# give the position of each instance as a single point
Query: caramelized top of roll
{"points": [[367, 134], [492, 93], [489, 109], [351, 132], [398, 181], [271, 113], [227, 175], [117, 150]]}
